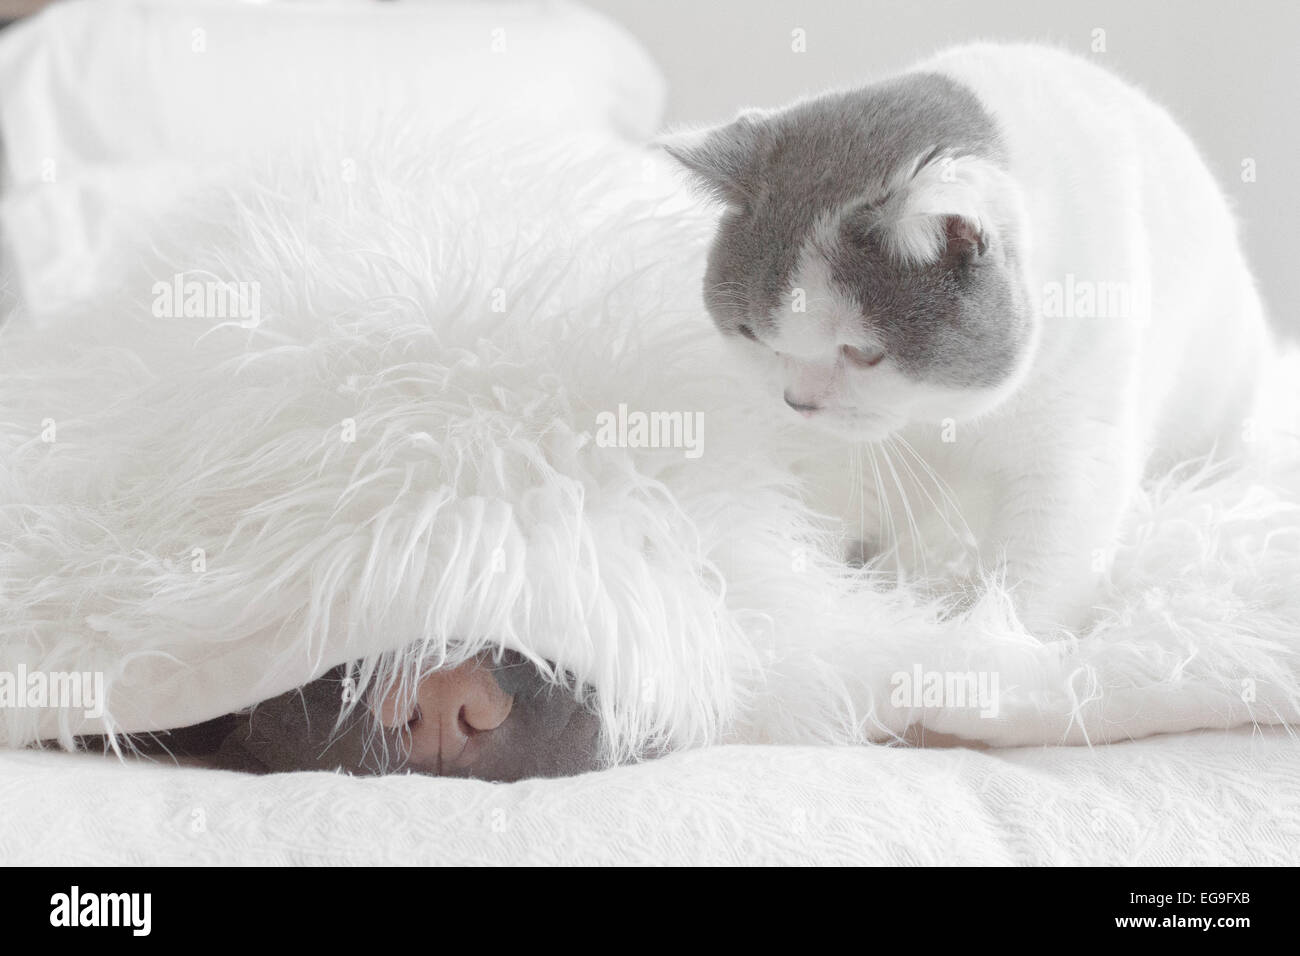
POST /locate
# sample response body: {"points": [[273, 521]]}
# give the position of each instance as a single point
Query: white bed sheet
{"points": [[1191, 799]]}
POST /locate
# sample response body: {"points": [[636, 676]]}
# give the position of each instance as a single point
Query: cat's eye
{"points": [[864, 358], [747, 332]]}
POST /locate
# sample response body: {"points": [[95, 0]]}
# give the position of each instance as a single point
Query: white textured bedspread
{"points": [[1205, 798]]}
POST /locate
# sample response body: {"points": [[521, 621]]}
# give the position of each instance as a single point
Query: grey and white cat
{"points": [[1005, 265]]}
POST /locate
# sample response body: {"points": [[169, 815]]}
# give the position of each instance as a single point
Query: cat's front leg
{"points": [[1058, 520]]}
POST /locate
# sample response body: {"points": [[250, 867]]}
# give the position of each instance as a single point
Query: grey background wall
{"points": [[1227, 70]]}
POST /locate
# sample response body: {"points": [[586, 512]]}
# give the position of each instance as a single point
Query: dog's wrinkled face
{"points": [[492, 721], [866, 262], [502, 722]]}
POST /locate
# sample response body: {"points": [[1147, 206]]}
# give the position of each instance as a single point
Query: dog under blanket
{"points": [[466, 405], [547, 733]]}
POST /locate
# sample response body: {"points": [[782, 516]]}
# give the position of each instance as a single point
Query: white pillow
{"points": [[105, 105]]}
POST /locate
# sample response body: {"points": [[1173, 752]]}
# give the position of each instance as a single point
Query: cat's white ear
{"points": [[942, 205], [720, 158], [964, 236], [922, 238]]}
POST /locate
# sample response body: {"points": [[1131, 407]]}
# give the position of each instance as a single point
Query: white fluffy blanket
{"points": [[401, 450]]}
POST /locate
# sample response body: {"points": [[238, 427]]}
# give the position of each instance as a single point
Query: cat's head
{"points": [[874, 278]]}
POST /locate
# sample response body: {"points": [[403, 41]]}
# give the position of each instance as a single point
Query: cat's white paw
{"points": [[1057, 608]]}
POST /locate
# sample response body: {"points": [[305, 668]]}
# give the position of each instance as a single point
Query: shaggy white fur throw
{"points": [[398, 451]]}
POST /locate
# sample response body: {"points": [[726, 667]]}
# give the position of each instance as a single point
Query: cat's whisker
{"points": [[858, 489], [944, 490], [941, 510], [732, 298], [918, 544], [731, 293], [730, 288], [946, 505], [885, 516]]}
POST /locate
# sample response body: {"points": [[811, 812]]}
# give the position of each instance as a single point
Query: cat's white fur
{"points": [[1109, 190]]}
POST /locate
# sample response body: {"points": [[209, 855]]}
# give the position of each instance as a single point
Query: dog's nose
{"points": [[448, 710], [803, 408]]}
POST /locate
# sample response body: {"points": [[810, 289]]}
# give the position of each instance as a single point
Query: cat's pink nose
{"points": [[805, 409], [448, 712]]}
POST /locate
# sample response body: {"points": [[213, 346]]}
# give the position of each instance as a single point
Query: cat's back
{"points": [[1028, 82], [1061, 112], [1116, 191], [1072, 125]]}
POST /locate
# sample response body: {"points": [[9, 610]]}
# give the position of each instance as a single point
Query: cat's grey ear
{"points": [[721, 158]]}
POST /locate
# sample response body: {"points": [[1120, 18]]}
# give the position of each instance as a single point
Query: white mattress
{"points": [[1192, 799]]}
